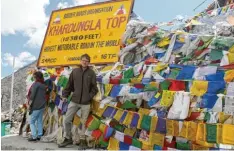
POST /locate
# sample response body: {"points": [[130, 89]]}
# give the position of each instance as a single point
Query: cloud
{"points": [[21, 60], [85, 2], [62, 5], [25, 16]]}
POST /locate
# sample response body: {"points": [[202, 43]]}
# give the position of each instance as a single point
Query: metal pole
{"points": [[12, 87]]}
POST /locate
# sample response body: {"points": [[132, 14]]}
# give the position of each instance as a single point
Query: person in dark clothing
{"points": [[37, 105], [82, 82]]}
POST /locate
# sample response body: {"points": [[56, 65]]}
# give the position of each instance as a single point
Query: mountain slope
{"points": [[19, 88]]}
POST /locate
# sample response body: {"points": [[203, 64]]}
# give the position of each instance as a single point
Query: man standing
{"points": [[82, 82]]}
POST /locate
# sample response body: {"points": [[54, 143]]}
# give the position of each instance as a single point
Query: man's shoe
{"points": [[32, 140], [38, 138], [83, 145], [65, 143]]}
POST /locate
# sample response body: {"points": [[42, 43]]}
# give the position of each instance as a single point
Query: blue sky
{"points": [[24, 23]]}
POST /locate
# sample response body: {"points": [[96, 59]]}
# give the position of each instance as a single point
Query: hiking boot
{"points": [[83, 145], [32, 140], [65, 143]]}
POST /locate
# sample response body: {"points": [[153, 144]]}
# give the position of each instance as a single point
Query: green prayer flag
{"points": [[124, 81], [216, 55], [146, 122], [128, 73], [102, 142], [182, 146], [95, 123], [69, 98], [149, 87], [136, 143], [60, 81], [174, 73], [207, 116], [211, 133], [119, 127], [165, 85], [65, 81], [128, 105]]}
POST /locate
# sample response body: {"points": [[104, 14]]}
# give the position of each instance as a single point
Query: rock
{"points": [[3, 119]]}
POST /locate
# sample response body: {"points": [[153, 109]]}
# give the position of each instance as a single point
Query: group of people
{"points": [[82, 82]]}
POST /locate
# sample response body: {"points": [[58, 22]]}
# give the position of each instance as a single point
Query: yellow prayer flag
{"points": [[198, 147], [201, 132], [176, 128], [76, 120], [170, 127], [101, 111], [131, 40], [192, 130], [199, 88], [184, 130], [137, 80], [160, 66], [228, 134], [156, 139], [219, 137], [127, 121], [154, 121], [231, 50], [164, 42], [230, 57], [223, 117], [167, 98], [140, 120], [130, 131], [144, 111], [118, 114], [113, 144], [147, 146], [229, 75], [108, 88], [102, 127]]}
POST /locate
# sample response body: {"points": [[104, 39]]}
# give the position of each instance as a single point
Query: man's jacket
{"points": [[83, 85]]}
